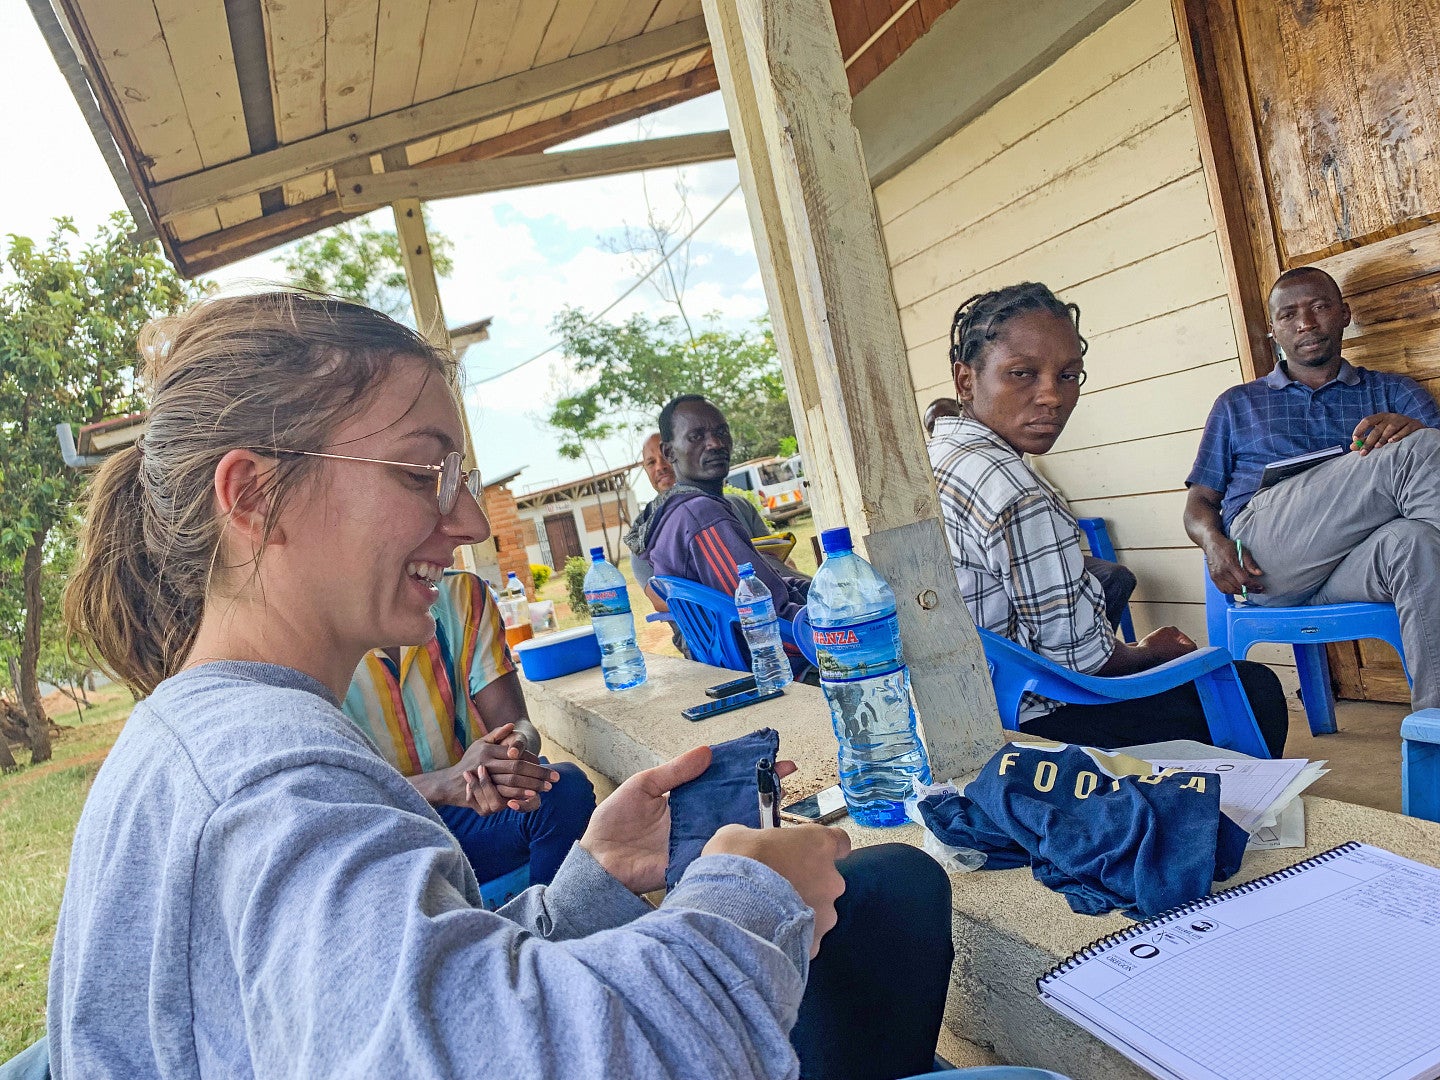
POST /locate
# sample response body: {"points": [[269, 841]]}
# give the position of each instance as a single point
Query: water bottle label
{"points": [[610, 601], [858, 651], [757, 613]]}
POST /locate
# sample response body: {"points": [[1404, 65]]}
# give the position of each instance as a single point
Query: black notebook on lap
{"points": [[1294, 466]]}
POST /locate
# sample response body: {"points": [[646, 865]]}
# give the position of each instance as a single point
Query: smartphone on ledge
{"points": [[822, 808], [726, 704], [734, 686]]}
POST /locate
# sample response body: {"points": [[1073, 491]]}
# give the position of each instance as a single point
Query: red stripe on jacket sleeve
{"points": [[718, 557]]}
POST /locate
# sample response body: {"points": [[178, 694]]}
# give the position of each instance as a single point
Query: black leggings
{"points": [[1175, 714], [875, 997]]}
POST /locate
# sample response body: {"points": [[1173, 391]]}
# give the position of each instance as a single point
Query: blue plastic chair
{"points": [[1097, 536], [708, 621], [1238, 626], [1420, 765], [1015, 670]]}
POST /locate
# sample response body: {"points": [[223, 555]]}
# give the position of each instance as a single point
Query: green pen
{"points": [[1240, 554]]}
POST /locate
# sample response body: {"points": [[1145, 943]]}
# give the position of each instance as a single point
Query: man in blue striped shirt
{"points": [[1362, 526]]}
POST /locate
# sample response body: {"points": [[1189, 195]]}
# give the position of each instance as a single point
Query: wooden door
{"points": [[1320, 131], [563, 537]]}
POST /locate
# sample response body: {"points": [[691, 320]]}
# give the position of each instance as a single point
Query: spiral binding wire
{"points": [[1101, 944]]}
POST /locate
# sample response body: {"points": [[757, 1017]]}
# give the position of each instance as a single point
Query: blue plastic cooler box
{"points": [[554, 655]]}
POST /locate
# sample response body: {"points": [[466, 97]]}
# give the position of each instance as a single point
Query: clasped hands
{"points": [[629, 836], [497, 772]]}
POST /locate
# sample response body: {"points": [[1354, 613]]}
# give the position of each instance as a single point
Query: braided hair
{"points": [[978, 319]]}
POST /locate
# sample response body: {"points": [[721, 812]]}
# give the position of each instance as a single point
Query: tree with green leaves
{"points": [[360, 262], [68, 324], [625, 373]]}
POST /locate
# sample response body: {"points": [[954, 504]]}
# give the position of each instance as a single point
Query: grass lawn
{"points": [[39, 807]]}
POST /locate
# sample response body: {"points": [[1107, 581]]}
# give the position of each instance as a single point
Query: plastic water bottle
{"points": [[515, 612], [762, 631], [866, 683], [620, 660]]}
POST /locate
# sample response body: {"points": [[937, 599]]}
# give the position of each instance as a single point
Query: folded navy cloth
{"points": [[1143, 844], [724, 794]]}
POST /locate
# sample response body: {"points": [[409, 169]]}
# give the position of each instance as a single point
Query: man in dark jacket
{"points": [[691, 531]]}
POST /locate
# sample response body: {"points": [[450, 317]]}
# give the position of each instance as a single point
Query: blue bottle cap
{"points": [[745, 570], [835, 541], [597, 554]]}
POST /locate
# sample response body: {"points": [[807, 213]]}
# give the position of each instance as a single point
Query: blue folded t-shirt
{"points": [[1143, 844], [724, 794]]}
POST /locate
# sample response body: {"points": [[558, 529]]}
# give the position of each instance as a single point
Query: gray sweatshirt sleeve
{"points": [[358, 954]]}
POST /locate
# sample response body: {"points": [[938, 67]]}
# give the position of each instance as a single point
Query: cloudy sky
{"points": [[519, 256]]}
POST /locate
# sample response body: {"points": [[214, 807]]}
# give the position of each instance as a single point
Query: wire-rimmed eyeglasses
{"points": [[448, 473]]}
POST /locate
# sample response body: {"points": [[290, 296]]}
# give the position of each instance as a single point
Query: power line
{"points": [[619, 299]]}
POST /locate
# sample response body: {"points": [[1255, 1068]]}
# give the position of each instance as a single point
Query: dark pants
{"points": [[1116, 582], [498, 843], [1175, 714], [876, 994]]}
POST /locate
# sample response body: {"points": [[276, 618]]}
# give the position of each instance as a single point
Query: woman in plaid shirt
{"points": [[1018, 362]]}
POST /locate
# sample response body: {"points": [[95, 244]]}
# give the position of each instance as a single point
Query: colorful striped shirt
{"points": [[411, 713]]}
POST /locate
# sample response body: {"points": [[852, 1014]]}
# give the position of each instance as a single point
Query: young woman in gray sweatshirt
{"points": [[253, 890]]}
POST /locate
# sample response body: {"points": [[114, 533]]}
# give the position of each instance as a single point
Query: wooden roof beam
{"points": [[209, 252], [582, 121], [534, 87], [527, 170]]}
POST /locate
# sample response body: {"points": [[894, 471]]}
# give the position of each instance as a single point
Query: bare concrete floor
{"points": [[1364, 754]]}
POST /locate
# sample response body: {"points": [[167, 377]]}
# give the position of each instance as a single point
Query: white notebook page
{"points": [[1331, 973]]}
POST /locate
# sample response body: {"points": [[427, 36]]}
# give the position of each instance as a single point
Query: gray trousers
{"points": [[1359, 529]]}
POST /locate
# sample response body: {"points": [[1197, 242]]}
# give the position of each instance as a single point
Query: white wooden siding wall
{"points": [[1088, 178]]}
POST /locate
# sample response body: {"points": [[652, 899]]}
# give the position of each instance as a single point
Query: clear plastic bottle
{"points": [[866, 683], [762, 631], [620, 659], [515, 612]]}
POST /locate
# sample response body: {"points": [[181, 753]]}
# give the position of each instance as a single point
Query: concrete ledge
{"points": [[1008, 928]]}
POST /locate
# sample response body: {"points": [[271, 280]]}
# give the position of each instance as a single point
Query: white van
{"points": [[777, 481]]}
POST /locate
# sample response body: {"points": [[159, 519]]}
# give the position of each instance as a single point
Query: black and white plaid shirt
{"points": [[1016, 550]]}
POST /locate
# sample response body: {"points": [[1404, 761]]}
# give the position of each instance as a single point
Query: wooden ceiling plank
{"points": [[234, 212], [350, 37], [137, 65], [525, 37], [523, 118], [582, 121], [189, 226], [295, 30], [668, 12], [306, 189], [502, 174], [606, 20], [447, 29], [423, 120], [563, 31], [198, 39], [486, 47], [655, 75], [399, 37]]}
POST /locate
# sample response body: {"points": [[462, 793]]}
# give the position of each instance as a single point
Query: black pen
{"points": [[768, 786]]}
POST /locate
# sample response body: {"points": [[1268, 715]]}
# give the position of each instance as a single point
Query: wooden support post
{"points": [[430, 321], [818, 237]]}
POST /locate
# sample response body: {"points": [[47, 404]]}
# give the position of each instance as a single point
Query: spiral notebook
{"points": [[1327, 970]]}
